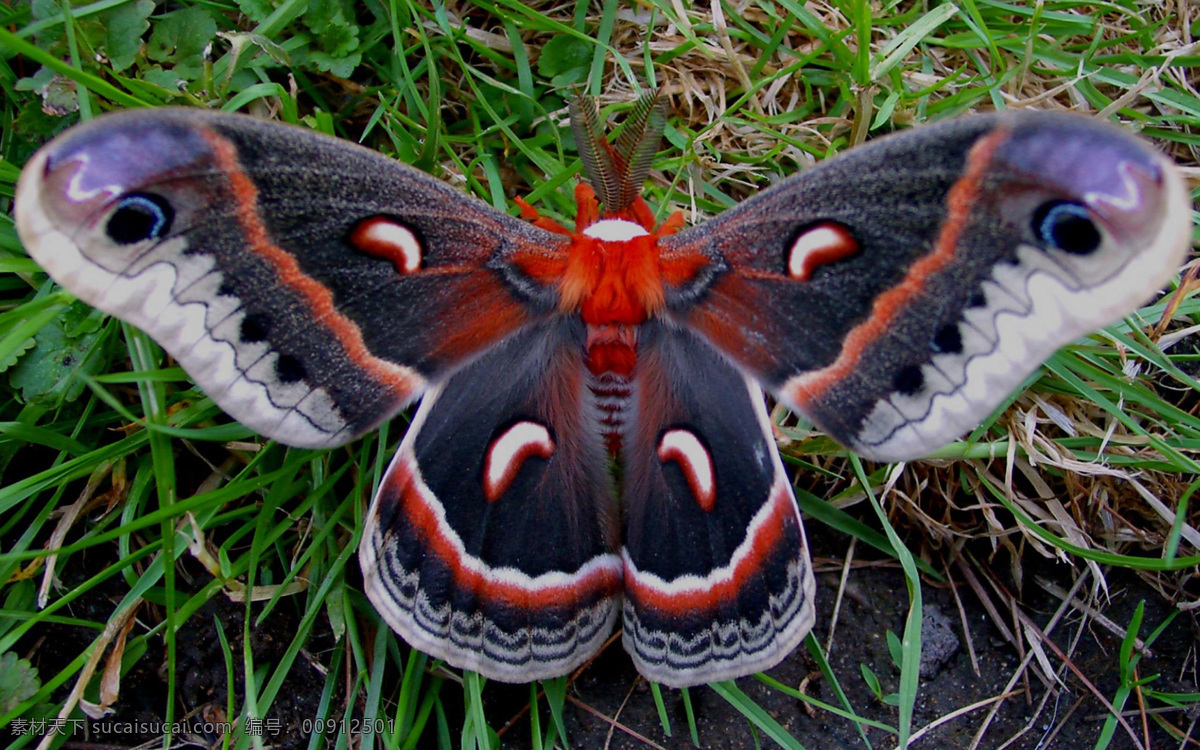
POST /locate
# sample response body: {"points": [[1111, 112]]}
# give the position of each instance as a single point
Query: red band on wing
{"points": [[486, 313], [319, 299], [678, 269], [803, 389], [765, 533]]}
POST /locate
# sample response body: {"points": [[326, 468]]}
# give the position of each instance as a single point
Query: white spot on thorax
{"points": [[615, 230]]}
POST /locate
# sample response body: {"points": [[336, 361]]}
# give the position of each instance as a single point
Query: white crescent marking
{"points": [[508, 452], [685, 448]]}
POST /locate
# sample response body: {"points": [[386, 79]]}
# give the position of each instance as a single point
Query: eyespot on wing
{"points": [[94, 188], [1093, 197]]}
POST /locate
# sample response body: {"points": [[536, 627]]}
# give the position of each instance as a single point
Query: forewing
{"points": [[310, 286], [895, 295], [492, 540], [718, 582]]}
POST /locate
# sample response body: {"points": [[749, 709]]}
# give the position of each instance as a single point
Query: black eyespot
{"points": [[289, 369], [139, 217], [909, 380], [254, 328], [948, 340], [978, 299], [1067, 227]]}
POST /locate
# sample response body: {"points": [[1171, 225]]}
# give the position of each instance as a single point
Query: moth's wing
{"points": [[718, 582], [895, 295], [312, 287], [492, 540]]}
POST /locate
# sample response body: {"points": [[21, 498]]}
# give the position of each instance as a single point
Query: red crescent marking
{"points": [[596, 584], [818, 245], [316, 295], [534, 440], [685, 449], [712, 595], [391, 240], [806, 388]]}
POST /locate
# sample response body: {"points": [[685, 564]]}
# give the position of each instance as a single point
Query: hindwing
{"points": [[718, 582], [492, 542]]}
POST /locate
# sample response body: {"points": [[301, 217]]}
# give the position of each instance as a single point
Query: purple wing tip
{"points": [[95, 164], [1119, 178]]}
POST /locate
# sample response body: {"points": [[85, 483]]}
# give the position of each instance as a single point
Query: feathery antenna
{"points": [[618, 171]]}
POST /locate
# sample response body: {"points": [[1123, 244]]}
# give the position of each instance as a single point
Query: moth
{"points": [[893, 296]]}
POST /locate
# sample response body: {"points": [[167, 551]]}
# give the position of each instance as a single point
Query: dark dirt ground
{"points": [[879, 603], [875, 601]]}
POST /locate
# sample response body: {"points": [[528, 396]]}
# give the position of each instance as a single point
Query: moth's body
{"points": [[611, 277], [611, 281], [894, 295], [612, 310]]}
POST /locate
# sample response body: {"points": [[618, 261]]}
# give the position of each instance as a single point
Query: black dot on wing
{"points": [[254, 328], [948, 340], [139, 217], [1067, 226], [289, 369], [909, 380]]}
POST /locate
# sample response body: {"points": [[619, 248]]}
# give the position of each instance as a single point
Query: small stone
{"points": [[938, 641]]}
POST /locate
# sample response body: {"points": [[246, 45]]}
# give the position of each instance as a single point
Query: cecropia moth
{"points": [[893, 296]]}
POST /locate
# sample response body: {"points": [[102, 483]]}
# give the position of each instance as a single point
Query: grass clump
{"points": [[144, 535]]}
